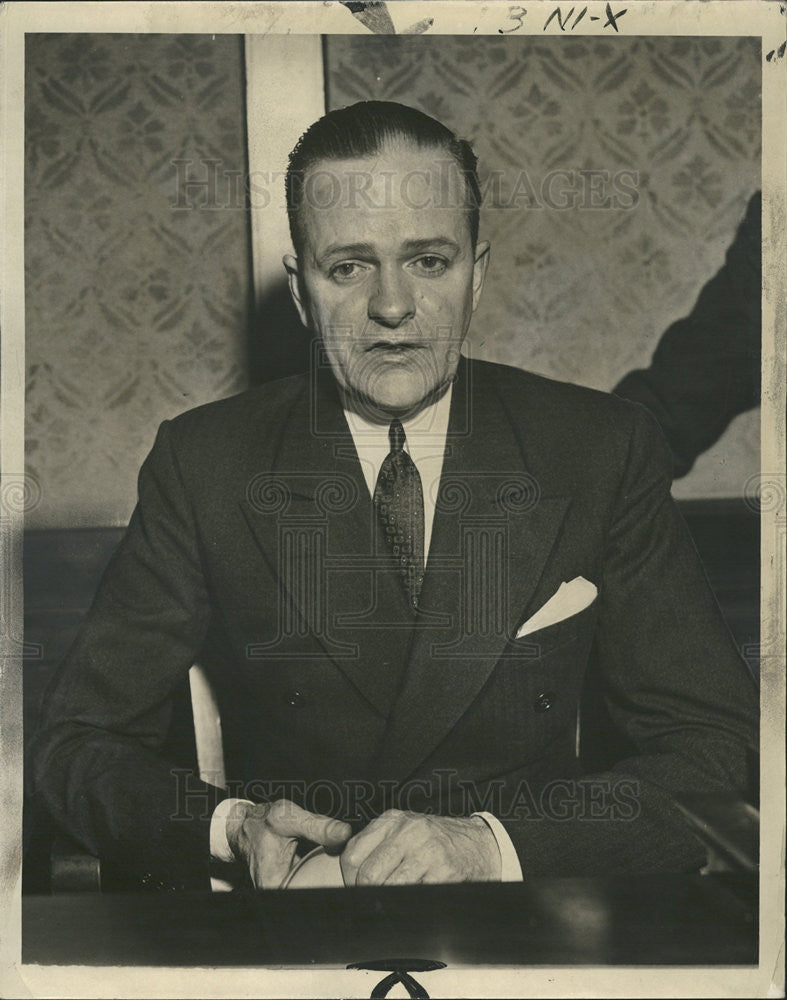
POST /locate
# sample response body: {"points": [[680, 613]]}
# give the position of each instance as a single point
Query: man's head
{"points": [[383, 204]]}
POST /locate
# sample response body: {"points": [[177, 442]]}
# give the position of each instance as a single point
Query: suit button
{"points": [[293, 698], [544, 702]]}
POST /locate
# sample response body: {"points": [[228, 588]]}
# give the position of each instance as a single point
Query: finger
{"points": [[289, 820], [381, 863], [410, 871], [271, 860], [442, 874], [362, 844]]}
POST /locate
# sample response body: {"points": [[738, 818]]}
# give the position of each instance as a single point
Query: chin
{"points": [[398, 405], [399, 392], [398, 398]]}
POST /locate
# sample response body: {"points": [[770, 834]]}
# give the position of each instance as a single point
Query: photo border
{"points": [[762, 18]]}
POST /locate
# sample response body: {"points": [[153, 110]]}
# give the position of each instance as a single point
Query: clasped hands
{"points": [[396, 848]]}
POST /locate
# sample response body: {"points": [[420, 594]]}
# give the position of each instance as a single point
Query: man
{"points": [[396, 568]]}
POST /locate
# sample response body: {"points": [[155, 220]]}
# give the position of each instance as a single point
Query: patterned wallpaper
{"points": [[583, 293], [136, 309]]}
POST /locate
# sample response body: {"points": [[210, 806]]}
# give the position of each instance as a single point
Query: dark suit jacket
{"points": [[254, 545]]}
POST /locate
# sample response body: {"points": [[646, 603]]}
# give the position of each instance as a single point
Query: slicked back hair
{"points": [[361, 130]]}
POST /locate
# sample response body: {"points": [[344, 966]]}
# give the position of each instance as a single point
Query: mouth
{"points": [[394, 349]]}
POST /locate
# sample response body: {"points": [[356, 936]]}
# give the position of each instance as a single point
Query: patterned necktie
{"points": [[399, 501]]}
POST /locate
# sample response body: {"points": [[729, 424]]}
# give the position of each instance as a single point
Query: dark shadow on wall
{"points": [[279, 344]]}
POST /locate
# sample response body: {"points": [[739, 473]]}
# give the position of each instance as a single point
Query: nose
{"points": [[391, 302]]}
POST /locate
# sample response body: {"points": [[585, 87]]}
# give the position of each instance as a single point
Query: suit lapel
{"points": [[494, 528], [314, 521]]}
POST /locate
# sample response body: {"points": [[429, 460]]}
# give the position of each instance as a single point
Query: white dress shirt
{"points": [[425, 435]]}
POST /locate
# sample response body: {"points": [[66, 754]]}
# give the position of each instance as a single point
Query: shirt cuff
{"points": [[220, 849], [510, 870]]}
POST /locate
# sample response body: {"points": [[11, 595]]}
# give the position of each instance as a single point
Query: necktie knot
{"points": [[396, 436]]}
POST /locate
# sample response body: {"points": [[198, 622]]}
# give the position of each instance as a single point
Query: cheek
{"points": [[447, 305], [344, 308]]}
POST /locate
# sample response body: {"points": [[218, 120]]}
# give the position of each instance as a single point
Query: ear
{"points": [[293, 279], [479, 271]]}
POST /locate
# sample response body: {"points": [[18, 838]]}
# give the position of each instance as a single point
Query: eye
{"points": [[430, 264], [347, 270]]}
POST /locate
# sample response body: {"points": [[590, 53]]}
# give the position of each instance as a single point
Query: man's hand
{"points": [[265, 837], [399, 848]]}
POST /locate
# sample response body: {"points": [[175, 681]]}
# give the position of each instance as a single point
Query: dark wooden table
{"points": [[669, 920]]}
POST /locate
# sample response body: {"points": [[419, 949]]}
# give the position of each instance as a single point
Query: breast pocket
{"points": [[578, 627]]}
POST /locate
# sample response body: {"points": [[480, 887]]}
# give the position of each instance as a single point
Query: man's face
{"points": [[387, 275]]}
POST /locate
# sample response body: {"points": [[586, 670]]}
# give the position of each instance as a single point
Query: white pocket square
{"points": [[570, 599]]}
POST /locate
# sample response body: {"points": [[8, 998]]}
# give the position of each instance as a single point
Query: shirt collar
{"points": [[424, 431]]}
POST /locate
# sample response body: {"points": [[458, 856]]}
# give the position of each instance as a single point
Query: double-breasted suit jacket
{"points": [[255, 547]]}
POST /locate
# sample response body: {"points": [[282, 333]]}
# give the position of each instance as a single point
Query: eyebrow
{"points": [[367, 250], [434, 243], [346, 250]]}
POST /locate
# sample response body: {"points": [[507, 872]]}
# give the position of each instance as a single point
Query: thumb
{"points": [[290, 820]]}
